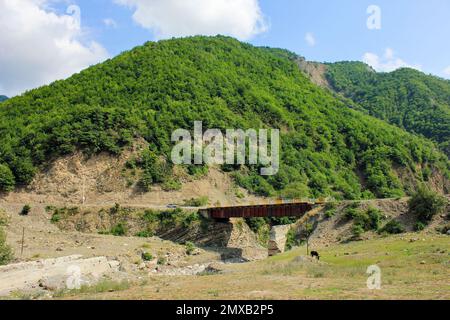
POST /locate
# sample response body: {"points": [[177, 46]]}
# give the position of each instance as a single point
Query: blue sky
{"points": [[413, 32], [417, 30]]}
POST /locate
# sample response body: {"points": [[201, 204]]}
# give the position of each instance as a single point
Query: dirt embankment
{"points": [[102, 180], [337, 228], [233, 239], [315, 71]]}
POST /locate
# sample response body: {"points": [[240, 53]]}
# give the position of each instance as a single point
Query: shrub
{"points": [[445, 228], [7, 180], [261, 228], [352, 213], [115, 209], [330, 213], [196, 202], [330, 209], [419, 226], [189, 219], [393, 227], [145, 234], [119, 230], [330, 206], [375, 217], [364, 221], [357, 231], [190, 248], [155, 169], [6, 254], [147, 256], [425, 204], [355, 205], [4, 219], [25, 210], [56, 217], [291, 239], [162, 261], [171, 185]]}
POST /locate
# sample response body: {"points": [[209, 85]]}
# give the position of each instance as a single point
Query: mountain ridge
{"points": [[406, 98], [328, 149]]}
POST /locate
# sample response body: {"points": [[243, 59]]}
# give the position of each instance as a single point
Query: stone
{"points": [[53, 274], [277, 242]]}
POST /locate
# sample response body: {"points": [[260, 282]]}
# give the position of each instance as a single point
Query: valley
{"points": [[89, 191]]}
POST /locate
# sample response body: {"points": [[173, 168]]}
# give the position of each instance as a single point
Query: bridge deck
{"points": [[263, 211]]}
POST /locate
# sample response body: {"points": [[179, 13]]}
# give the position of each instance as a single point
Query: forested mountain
{"points": [[406, 98], [327, 148], [3, 98]]}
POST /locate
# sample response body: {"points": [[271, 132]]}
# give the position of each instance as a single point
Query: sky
{"points": [[45, 40]]}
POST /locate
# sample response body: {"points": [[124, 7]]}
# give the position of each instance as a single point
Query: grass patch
{"points": [[100, 287], [197, 202]]}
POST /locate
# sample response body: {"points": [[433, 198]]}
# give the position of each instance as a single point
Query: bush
{"points": [[7, 180], [330, 213], [145, 234], [198, 202], [162, 261], [4, 219], [375, 218], [6, 254], [155, 169], [357, 231], [261, 228], [190, 248], [425, 204], [171, 185], [291, 239], [56, 217], [119, 230], [445, 228], [419, 226], [189, 219], [25, 210], [393, 227], [330, 209], [147, 256], [364, 221]]}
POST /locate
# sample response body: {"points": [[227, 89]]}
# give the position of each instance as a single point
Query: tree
{"points": [[6, 254], [425, 204], [7, 180], [309, 229]]}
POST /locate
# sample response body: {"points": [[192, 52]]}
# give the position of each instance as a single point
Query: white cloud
{"points": [[388, 62], [310, 39], [38, 46], [110, 23], [242, 19], [447, 71]]}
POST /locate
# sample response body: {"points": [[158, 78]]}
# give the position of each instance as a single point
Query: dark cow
{"points": [[315, 254]]}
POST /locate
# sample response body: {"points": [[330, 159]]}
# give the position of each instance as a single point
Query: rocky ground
{"points": [[45, 254]]}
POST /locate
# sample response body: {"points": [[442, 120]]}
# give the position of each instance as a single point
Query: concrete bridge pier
{"points": [[277, 241]]}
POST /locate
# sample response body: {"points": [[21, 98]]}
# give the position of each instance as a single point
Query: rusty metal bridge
{"points": [[296, 209]]}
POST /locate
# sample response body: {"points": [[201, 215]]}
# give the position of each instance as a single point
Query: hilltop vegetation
{"points": [[327, 148], [406, 98], [3, 98]]}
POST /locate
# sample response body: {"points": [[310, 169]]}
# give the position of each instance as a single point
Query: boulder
{"points": [[277, 241]]}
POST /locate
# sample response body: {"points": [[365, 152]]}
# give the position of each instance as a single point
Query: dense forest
{"points": [[328, 149], [3, 98], [407, 98]]}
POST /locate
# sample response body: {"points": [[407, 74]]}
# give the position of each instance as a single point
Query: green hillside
{"points": [[327, 148], [3, 98], [406, 98]]}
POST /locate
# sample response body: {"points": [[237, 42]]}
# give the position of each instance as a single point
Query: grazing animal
{"points": [[315, 254]]}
